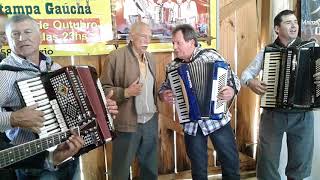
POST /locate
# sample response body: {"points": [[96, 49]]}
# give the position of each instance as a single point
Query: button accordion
{"points": [[70, 97], [288, 73], [195, 86]]}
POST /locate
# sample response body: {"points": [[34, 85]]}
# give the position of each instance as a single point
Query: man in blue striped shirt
{"points": [[187, 49], [19, 123]]}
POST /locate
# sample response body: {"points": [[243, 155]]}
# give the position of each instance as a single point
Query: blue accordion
{"points": [[196, 86]]}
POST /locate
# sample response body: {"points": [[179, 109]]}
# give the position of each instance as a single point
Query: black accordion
{"points": [[70, 97], [196, 86], [288, 73]]}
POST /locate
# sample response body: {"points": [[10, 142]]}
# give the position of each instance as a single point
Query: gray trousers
{"points": [[144, 144], [299, 129]]}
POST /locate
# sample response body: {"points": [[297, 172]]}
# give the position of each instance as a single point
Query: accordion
{"points": [[70, 97], [288, 74], [195, 86]]}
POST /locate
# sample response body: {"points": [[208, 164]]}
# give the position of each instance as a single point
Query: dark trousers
{"points": [[144, 144], [66, 171], [299, 127], [224, 143]]}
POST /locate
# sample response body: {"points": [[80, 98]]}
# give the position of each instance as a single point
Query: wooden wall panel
{"points": [[238, 43], [247, 43], [93, 165]]}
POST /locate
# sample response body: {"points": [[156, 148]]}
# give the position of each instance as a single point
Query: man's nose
{"points": [[293, 24], [22, 37]]}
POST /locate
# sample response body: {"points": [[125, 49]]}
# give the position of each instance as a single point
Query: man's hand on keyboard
{"points": [[112, 105], [259, 87], [317, 78], [27, 117]]}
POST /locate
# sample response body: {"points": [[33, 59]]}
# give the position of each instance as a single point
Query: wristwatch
{"points": [[247, 82]]}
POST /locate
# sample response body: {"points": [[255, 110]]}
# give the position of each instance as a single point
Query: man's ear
{"points": [[276, 29], [130, 37], [193, 42], [5, 40]]}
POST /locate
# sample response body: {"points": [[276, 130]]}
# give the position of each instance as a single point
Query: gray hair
{"points": [[20, 18], [137, 26]]}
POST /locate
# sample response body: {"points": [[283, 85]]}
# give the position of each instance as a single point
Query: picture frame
{"points": [[162, 16]]}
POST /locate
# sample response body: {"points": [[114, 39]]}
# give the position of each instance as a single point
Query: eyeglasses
{"points": [[2, 37], [27, 33], [145, 36]]}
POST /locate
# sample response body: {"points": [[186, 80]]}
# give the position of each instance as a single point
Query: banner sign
{"points": [[310, 20], [69, 27], [90, 27]]}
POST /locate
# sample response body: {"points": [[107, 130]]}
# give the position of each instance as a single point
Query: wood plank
{"points": [[247, 46], [230, 8], [93, 164], [247, 164]]}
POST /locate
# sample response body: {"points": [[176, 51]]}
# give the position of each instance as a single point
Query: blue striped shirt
{"points": [[206, 125], [9, 96]]}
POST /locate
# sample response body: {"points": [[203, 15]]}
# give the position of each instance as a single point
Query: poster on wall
{"points": [[69, 27], [163, 16], [310, 20], [89, 27]]}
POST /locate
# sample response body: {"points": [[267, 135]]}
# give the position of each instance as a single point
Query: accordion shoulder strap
{"points": [[197, 55], [6, 67], [202, 51]]}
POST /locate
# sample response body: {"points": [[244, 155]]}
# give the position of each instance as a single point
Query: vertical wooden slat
{"points": [[247, 42], [266, 25]]}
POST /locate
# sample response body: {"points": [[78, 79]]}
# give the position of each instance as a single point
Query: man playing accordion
{"points": [[297, 123], [187, 50]]}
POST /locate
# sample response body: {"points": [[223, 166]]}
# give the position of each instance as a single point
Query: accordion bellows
{"points": [[195, 86]]}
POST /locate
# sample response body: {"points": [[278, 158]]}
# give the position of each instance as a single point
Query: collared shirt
{"points": [[253, 69], [9, 96], [142, 63], [145, 106], [206, 125]]}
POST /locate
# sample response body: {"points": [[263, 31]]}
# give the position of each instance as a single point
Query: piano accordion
{"points": [[70, 97], [195, 86], [288, 73]]}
